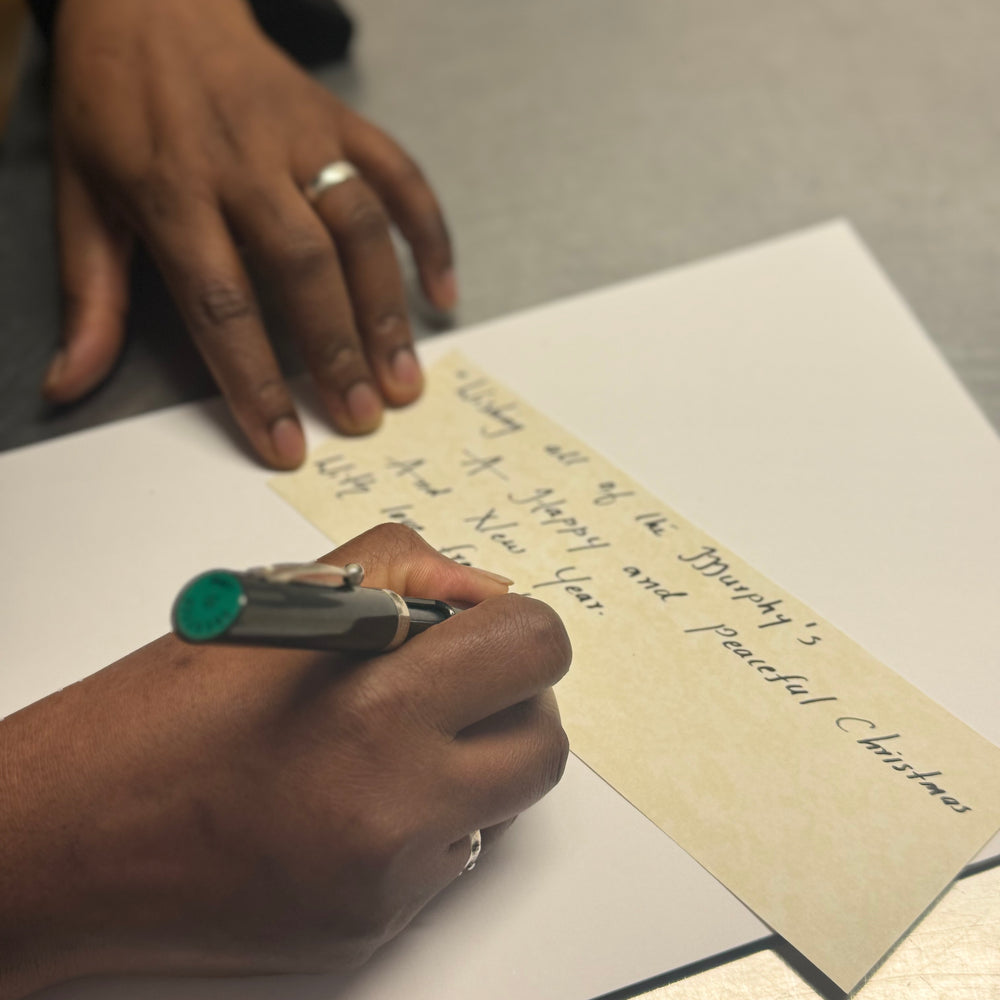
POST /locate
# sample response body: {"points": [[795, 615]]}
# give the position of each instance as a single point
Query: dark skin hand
{"points": [[178, 123], [229, 810]]}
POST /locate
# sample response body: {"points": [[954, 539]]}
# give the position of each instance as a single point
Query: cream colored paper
{"points": [[725, 710]]}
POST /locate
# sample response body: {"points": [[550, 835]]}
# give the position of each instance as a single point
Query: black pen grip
{"points": [[425, 612]]}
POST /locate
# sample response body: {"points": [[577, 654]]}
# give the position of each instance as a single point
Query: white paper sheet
{"points": [[876, 506]]}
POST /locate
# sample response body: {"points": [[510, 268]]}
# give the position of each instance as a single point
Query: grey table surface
{"points": [[576, 143]]}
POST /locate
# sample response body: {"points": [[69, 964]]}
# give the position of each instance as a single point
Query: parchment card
{"points": [[829, 794]]}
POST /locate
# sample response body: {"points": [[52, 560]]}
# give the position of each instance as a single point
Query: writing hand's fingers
{"points": [[397, 558], [507, 762], [195, 252], [475, 733], [411, 202], [483, 661], [479, 686], [360, 231], [481, 680], [94, 261]]}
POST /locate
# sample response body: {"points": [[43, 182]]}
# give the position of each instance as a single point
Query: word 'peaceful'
{"points": [[796, 686]]}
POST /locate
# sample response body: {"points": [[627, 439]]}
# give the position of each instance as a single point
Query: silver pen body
{"points": [[224, 606]]}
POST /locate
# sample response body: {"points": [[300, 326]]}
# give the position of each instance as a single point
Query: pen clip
{"points": [[316, 574]]}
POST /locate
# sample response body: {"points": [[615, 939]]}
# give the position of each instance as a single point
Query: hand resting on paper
{"points": [[181, 124], [230, 810]]}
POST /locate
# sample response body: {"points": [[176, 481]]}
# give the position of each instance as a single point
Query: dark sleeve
{"points": [[311, 31], [45, 12]]}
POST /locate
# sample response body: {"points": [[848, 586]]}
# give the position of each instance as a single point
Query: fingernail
{"points": [[55, 372], [506, 581], [405, 369], [364, 406], [288, 440], [447, 289]]}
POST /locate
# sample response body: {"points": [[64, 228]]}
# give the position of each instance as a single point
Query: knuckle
{"points": [[253, 191], [145, 178], [220, 301], [338, 363], [395, 539], [157, 197], [534, 756], [390, 330], [387, 544], [558, 755], [540, 629], [549, 746], [364, 222], [269, 395], [305, 255], [406, 173]]}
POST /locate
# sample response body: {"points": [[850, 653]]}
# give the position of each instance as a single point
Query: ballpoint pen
{"points": [[302, 606]]}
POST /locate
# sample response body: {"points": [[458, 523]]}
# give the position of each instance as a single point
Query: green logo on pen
{"points": [[207, 606]]}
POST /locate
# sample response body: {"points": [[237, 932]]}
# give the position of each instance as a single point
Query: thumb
{"points": [[94, 258]]}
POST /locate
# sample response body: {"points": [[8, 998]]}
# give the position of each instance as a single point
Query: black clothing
{"points": [[311, 31]]}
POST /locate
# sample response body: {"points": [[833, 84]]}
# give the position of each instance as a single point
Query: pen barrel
{"points": [[305, 616], [241, 608]]}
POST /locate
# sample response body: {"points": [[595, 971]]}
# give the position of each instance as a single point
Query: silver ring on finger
{"points": [[330, 176], [475, 849]]}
